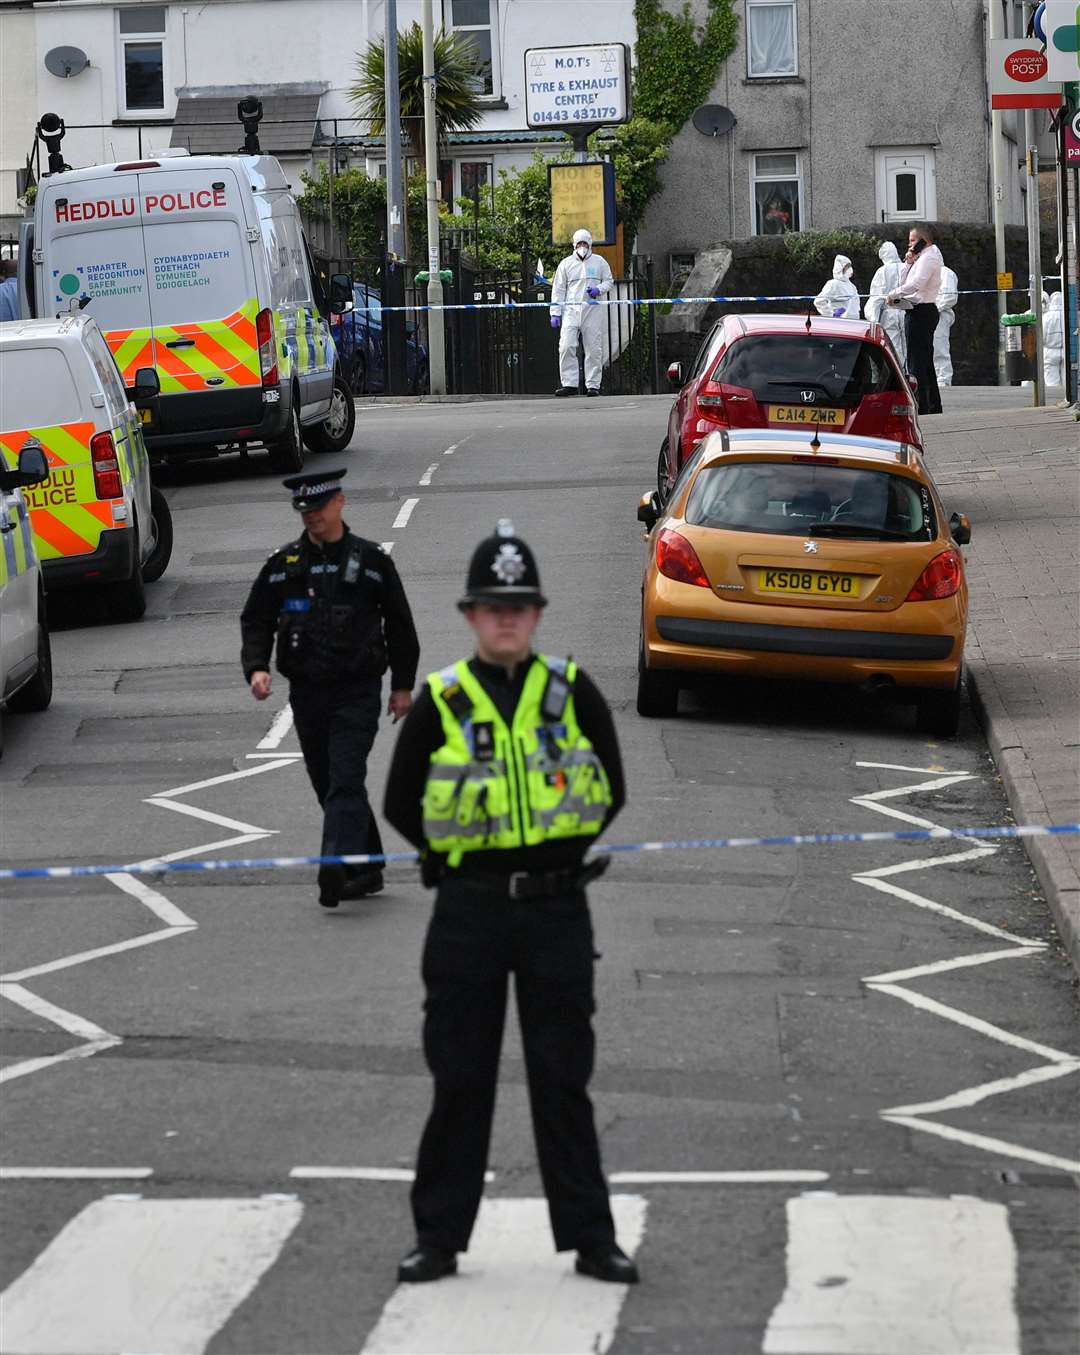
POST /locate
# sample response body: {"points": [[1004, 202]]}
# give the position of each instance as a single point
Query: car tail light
{"points": [[940, 579], [107, 483], [677, 559], [264, 333], [137, 164]]}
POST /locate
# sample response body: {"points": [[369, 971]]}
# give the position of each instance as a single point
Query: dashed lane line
{"points": [[279, 730], [425, 479], [404, 514]]}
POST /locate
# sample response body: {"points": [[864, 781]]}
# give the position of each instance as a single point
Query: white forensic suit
{"points": [[581, 279], [838, 297], [1054, 340], [946, 304], [892, 318]]}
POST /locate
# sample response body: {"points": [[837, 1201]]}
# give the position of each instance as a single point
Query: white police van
{"points": [[25, 655], [196, 266]]}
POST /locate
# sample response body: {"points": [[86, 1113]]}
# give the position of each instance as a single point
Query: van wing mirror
{"points": [[649, 510], [33, 469], [341, 292], [674, 374], [147, 385], [960, 529]]}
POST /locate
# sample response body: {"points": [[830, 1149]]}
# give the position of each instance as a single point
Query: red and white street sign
{"points": [[1018, 76]]}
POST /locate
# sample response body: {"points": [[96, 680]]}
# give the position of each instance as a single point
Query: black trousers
{"points": [[336, 725], [476, 939], [922, 320]]}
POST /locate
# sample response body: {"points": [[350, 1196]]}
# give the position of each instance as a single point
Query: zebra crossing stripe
{"points": [[143, 1275], [881, 1274], [513, 1292]]}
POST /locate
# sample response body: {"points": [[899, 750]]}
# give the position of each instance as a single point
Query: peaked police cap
{"points": [[315, 488], [503, 569]]}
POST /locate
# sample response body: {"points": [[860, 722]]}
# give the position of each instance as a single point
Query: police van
{"points": [[196, 266], [96, 520], [25, 655]]}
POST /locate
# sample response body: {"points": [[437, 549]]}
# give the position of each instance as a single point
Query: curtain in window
{"points": [[772, 39]]}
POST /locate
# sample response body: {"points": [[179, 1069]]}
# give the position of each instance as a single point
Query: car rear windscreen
{"points": [[788, 498], [807, 368], [37, 389]]}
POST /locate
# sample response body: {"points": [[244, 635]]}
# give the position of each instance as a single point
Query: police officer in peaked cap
{"points": [[506, 769], [333, 605]]}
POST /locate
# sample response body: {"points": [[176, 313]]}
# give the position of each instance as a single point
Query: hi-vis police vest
{"points": [[494, 787]]}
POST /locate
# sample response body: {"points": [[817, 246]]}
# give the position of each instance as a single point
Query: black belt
{"points": [[524, 884]]}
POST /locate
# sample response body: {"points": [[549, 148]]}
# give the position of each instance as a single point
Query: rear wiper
{"points": [[855, 529]]}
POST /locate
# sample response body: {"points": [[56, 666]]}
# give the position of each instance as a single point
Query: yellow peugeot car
{"points": [[809, 555]]}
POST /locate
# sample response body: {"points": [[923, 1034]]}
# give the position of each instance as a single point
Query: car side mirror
{"points": [[960, 529], [341, 292], [33, 469], [674, 375], [147, 386], [649, 510]]}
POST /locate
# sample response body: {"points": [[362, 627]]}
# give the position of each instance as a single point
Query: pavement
{"points": [[837, 1088], [1016, 472]]}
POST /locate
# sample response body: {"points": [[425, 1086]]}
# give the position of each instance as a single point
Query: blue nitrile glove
{"points": [[555, 322], [838, 313], [594, 292]]}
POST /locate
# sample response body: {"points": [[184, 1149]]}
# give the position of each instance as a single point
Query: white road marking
{"points": [[900, 767], [278, 731], [514, 1292], [713, 1178], [387, 547], [38, 1065], [83, 956], [451, 449], [204, 847], [425, 479], [883, 1274], [360, 1174], [1057, 1063], [404, 514], [292, 757], [145, 1275], [75, 1173], [71, 1022], [158, 904], [226, 776], [194, 812]]}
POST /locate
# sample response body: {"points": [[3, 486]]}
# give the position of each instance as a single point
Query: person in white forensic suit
{"points": [[581, 279], [877, 309], [1054, 340], [838, 297], [947, 298]]}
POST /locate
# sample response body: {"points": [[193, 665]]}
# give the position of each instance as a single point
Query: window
{"points": [[142, 59], [778, 367], [476, 180], [906, 183], [477, 23], [37, 389], [460, 179], [777, 190], [770, 38]]}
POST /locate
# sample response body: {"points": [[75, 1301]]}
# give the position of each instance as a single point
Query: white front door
{"points": [[906, 184]]}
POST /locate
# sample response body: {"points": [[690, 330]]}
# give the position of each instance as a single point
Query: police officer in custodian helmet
{"points": [[334, 605], [504, 772]]}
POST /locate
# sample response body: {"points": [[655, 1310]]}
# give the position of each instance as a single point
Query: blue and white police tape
{"points": [[710, 843], [618, 301]]}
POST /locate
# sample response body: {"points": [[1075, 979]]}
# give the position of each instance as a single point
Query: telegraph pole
{"points": [[1034, 225], [1000, 173], [395, 208], [436, 324]]}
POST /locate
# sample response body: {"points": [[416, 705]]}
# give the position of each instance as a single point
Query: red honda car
{"points": [[787, 371]]}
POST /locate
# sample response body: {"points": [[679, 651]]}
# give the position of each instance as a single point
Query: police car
{"points": [[25, 657], [96, 521]]}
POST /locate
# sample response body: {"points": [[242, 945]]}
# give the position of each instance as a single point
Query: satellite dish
{"points": [[714, 119], [65, 61]]}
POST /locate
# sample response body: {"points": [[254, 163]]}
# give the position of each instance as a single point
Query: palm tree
{"points": [[459, 77]]}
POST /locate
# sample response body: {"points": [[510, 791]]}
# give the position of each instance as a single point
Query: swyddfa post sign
{"points": [[577, 86]]}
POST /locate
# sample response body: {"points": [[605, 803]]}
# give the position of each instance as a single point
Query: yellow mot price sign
{"points": [[583, 197]]}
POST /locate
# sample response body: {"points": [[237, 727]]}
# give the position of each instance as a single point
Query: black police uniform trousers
{"points": [[922, 320], [476, 939], [336, 723]]}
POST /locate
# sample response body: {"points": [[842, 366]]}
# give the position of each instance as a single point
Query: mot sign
{"points": [[577, 86], [1018, 76]]}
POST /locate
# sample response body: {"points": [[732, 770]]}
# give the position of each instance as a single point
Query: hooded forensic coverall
{"points": [[892, 319], [946, 304], [1054, 340], [577, 275], [838, 297]]}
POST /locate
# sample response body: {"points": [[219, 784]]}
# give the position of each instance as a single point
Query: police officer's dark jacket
{"points": [[337, 612]]}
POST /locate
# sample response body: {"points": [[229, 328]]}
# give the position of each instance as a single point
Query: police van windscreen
{"points": [[200, 270], [37, 389]]}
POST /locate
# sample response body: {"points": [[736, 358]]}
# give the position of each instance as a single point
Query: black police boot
{"points": [[566, 390], [331, 885], [362, 883], [609, 1263], [591, 391], [424, 1264]]}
